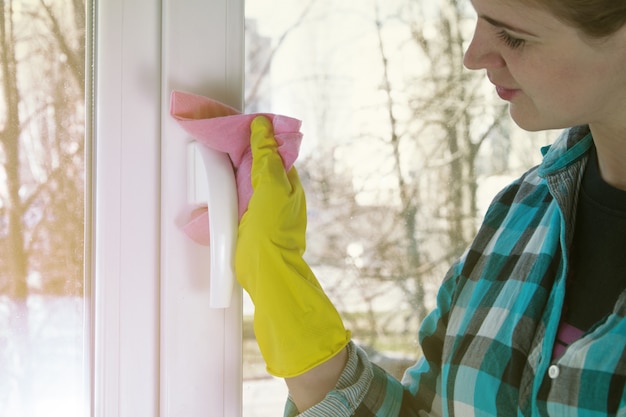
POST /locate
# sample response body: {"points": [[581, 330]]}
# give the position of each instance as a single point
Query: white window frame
{"points": [[158, 348]]}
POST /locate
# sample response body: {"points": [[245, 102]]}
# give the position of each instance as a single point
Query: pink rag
{"points": [[224, 129]]}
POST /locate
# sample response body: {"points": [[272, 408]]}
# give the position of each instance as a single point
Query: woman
{"points": [[530, 321]]}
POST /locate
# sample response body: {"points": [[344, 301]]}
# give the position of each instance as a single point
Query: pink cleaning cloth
{"points": [[224, 129]]}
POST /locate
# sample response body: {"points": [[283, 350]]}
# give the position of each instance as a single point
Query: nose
{"points": [[482, 52]]}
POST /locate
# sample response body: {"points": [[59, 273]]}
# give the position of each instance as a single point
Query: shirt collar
{"points": [[571, 145]]}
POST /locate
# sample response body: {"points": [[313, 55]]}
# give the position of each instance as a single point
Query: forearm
{"points": [[310, 388]]}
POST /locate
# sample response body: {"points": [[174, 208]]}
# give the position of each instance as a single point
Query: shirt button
{"points": [[553, 372]]}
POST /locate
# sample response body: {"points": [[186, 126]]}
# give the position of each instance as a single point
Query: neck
{"points": [[611, 148]]}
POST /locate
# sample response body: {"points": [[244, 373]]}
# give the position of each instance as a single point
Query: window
{"points": [[104, 302], [42, 200], [135, 337], [159, 348]]}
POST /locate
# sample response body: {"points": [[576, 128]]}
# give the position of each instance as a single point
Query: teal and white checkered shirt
{"points": [[488, 344]]}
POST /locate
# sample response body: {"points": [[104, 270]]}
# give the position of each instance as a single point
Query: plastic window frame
{"points": [[157, 349]]}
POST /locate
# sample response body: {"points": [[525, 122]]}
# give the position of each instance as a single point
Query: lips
{"points": [[504, 93]]}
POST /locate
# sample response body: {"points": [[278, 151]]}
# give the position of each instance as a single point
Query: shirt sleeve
{"points": [[366, 390], [363, 389]]}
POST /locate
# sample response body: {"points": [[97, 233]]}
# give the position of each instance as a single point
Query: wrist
{"points": [[311, 387]]}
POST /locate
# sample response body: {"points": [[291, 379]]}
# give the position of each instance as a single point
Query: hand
{"points": [[296, 326]]}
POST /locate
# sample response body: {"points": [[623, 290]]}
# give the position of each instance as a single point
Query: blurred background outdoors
{"points": [[403, 149], [42, 194]]}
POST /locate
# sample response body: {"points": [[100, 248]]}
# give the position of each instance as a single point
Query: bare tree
{"points": [[429, 128], [260, 55], [42, 175], [451, 115], [16, 260], [410, 243], [434, 154], [42, 146]]}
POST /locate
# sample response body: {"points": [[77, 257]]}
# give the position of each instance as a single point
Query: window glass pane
{"points": [[42, 199], [403, 149]]}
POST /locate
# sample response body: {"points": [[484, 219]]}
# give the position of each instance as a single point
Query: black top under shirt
{"points": [[598, 257]]}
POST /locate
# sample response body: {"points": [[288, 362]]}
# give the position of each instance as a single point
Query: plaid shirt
{"points": [[488, 344]]}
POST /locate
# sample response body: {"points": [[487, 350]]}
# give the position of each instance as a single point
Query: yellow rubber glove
{"points": [[296, 325]]}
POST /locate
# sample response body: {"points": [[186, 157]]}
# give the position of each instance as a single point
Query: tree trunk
{"points": [[9, 140]]}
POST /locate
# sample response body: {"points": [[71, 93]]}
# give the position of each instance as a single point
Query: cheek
{"points": [[555, 82], [552, 96]]}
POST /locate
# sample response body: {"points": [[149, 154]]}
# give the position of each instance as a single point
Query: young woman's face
{"points": [[552, 76]]}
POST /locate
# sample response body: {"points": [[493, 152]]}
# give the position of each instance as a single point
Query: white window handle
{"points": [[223, 135], [221, 199]]}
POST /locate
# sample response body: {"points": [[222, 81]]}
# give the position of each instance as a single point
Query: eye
{"points": [[510, 41]]}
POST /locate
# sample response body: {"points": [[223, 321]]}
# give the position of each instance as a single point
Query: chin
{"points": [[535, 121]]}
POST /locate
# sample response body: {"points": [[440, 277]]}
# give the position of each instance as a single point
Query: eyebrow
{"points": [[503, 25]]}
